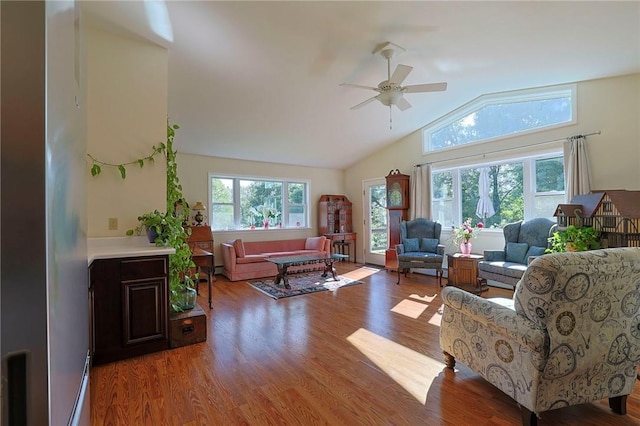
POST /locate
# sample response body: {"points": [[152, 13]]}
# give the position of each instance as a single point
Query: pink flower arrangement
{"points": [[466, 231]]}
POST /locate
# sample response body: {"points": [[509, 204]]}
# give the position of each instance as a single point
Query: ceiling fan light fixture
{"points": [[389, 98]]}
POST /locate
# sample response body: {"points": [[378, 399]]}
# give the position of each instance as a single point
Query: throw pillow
{"points": [[238, 245], [429, 244], [315, 243], [535, 251], [411, 244], [516, 252]]}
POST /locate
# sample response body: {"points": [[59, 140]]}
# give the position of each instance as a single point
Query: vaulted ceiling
{"points": [[260, 80]]}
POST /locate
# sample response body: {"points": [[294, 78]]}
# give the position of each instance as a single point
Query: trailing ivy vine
{"points": [[96, 165], [180, 263], [169, 225]]}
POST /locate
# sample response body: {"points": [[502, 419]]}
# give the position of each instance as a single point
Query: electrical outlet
{"points": [[113, 224]]}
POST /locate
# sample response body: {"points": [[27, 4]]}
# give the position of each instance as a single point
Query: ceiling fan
{"points": [[390, 90]]}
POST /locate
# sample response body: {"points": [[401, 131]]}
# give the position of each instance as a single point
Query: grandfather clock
{"points": [[398, 207]]}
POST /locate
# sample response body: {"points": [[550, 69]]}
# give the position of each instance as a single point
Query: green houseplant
{"points": [[181, 282], [153, 224], [171, 233], [574, 238]]}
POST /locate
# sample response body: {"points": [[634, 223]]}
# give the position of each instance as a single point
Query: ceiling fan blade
{"points": [[361, 104], [359, 86], [401, 72], [434, 87], [403, 104]]}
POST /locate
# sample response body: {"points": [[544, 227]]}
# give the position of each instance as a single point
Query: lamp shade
{"points": [[198, 206]]}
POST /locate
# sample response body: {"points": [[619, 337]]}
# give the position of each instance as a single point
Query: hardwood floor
{"points": [[365, 355]]}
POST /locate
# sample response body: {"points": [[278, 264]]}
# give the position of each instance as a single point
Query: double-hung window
{"points": [[257, 203], [510, 190]]}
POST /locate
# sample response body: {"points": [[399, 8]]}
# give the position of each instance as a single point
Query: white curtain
{"points": [[420, 192], [576, 167]]}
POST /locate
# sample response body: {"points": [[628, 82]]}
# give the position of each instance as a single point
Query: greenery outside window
{"points": [[502, 115], [519, 189], [378, 229], [243, 203]]}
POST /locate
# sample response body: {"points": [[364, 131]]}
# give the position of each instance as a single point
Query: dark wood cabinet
{"points": [[334, 215], [129, 307], [335, 221], [398, 208]]}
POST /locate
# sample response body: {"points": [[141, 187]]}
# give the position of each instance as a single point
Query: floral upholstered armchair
{"points": [[420, 247], [570, 335]]}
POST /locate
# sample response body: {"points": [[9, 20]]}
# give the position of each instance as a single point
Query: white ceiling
{"points": [[260, 80]]}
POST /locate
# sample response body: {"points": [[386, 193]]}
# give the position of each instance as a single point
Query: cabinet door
{"points": [[144, 310], [465, 272]]}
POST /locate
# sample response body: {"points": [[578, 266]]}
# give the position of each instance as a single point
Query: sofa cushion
{"points": [[279, 254], [516, 252], [534, 251], [411, 244], [239, 248], [509, 269], [429, 244], [315, 243], [251, 258]]}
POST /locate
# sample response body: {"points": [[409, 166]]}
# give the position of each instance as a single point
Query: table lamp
{"points": [[198, 207]]}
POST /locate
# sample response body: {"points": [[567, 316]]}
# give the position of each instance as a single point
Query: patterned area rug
{"points": [[301, 284]]}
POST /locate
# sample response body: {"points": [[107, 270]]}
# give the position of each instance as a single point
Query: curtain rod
{"points": [[511, 149]]}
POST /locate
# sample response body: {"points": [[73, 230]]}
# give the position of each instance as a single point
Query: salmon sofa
{"points": [[247, 260]]}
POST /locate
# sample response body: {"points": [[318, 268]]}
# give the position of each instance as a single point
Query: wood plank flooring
{"points": [[364, 355]]}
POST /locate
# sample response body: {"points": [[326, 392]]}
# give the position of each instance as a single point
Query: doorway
{"points": [[375, 223]]}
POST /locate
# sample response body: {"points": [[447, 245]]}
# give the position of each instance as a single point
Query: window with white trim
{"points": [[502, 115], [256, 203], [516, 189]]}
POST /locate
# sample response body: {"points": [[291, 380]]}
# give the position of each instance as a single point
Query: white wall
{"points": [[193, 172], [610, 105], [127, 115]]}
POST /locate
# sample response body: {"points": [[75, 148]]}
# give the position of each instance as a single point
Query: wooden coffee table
{"points": [[283, 263]]}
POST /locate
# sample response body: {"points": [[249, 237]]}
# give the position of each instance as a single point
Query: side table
{"points": [[463, 272]]}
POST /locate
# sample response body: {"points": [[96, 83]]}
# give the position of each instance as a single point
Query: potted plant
{"points": [[153, 224], [171, 233], [181, 282], [574, 238]]}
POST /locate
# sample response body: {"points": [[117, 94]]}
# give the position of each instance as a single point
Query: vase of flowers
{"points": [[268, 213], [463, 234]]}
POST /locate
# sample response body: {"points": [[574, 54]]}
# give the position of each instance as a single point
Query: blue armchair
{"points": [[420, 247], [524, 241]]}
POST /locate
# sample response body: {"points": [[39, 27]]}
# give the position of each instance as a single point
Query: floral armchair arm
{"points": [[399, 249], [502, 319]]}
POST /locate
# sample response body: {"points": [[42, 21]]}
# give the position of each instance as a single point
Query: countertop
{"points": [[117, 247]]}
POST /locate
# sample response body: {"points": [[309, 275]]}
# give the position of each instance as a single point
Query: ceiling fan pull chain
{"points": [[390, 119]]}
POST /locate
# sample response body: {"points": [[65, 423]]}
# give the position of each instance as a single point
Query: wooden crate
{"points": [[187, 328]]}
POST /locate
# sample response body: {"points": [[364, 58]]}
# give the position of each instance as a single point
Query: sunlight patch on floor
{"points": [[436, 318], [360, 273], [412, 370], [409, 308], [425, 299]]}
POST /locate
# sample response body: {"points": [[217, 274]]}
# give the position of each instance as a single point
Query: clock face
{"points": [[394, 196]]}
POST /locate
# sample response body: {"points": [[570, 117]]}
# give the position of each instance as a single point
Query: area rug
{"points": [[301, 284]]}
